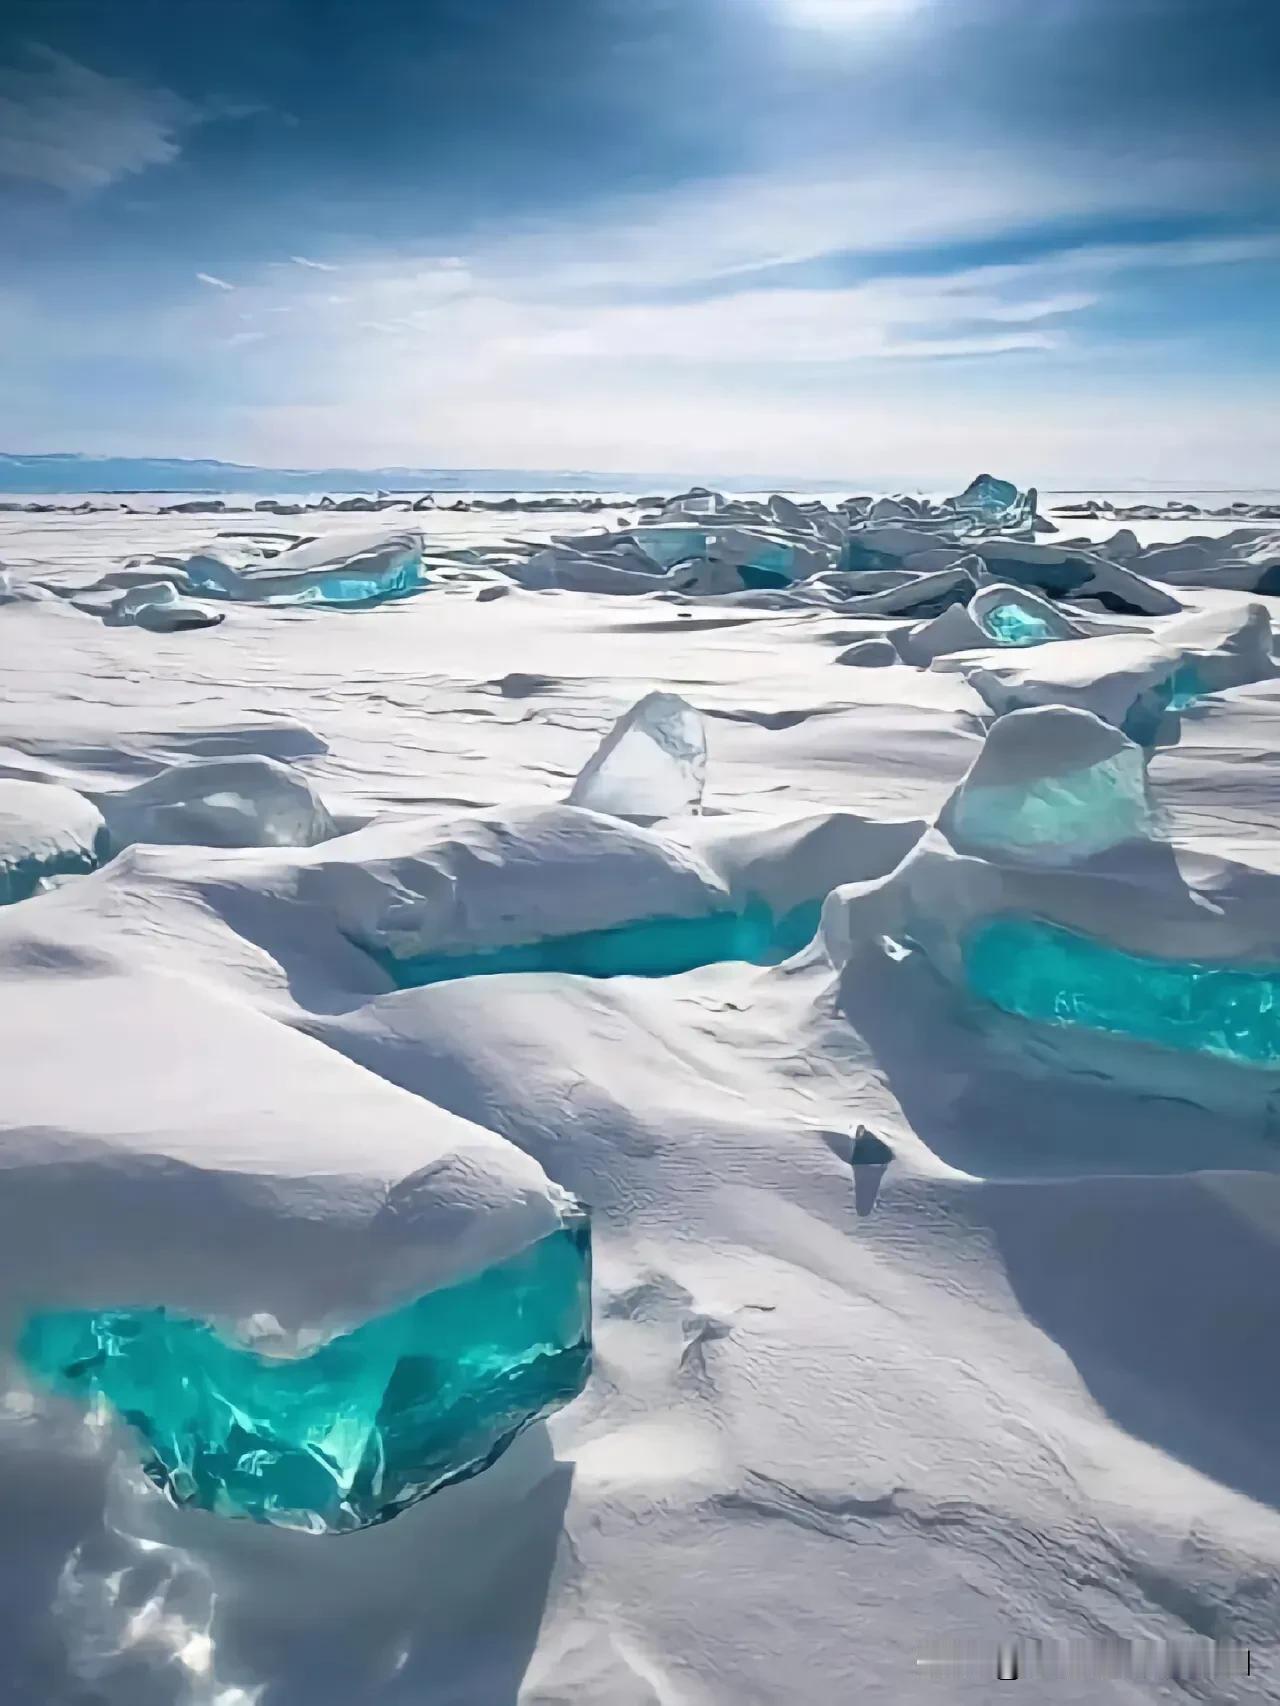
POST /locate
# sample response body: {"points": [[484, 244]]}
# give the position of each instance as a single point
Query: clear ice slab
{"points": [[652, 764], [220, 802], [1043, 972], [354, 1432], [1052, 784]]}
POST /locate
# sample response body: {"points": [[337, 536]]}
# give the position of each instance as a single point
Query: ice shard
{"points": [[1054, 976], [1050, 785], [220, 802], [355, 1431], [652, 764], [46, 831]]}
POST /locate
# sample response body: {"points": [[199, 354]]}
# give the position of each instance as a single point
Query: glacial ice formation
{"points": [[156, 605], [1055, 976], [1130, 679], [46, 831], [220, 802], [1051, 785], [997, 502], [351, 1433], [652, 764], [364, 569], [1015, 616]]}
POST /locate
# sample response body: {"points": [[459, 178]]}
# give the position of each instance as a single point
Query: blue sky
{"points": [[845, 238]]}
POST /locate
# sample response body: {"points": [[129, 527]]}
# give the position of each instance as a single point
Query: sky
{"points": [[846, 239]]}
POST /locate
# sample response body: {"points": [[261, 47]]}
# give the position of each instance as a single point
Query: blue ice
{"points": [[1055, 976], [653, 947], [357, 1430]]}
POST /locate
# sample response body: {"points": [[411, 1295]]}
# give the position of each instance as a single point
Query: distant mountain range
{"points": [[70, 473]]}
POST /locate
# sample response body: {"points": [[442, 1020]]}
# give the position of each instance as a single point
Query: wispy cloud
{"points": [[72, 128], [213, 279], [316, 266]]}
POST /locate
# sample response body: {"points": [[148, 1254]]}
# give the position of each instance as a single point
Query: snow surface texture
{"points": [[935, 1249]]}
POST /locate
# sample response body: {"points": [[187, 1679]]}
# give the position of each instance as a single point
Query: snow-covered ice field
{"points": [[843, 1415]]}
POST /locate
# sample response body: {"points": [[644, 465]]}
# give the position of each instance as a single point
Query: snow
{"points": [[1016, 1380], [45, 832]]}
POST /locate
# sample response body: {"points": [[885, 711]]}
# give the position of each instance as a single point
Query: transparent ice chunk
{"points": [[357, 1430], [46, 831], [1051, 784], [221, 802], [1055, 976], [652, 764]]}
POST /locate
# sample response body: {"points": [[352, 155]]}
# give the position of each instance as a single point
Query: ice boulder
{"points": [[220, 802], [652, 764], [340, 569], [46, 831], [875, 652], [1015, 616], [155, 605], [995, 501], [1051, 785]]}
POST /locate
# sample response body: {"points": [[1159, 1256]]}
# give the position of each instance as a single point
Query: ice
{"points": [[875, 652], [368, 569], [1055, 976], [1014, 616], [353, 1432], [994, 500], [1051, 785], [260, 1143], [220, 802], [652, 764], [157, 606], [46, 831], [650, 947]]}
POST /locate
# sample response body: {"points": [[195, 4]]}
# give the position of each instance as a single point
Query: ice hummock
{"points": [[358, 1429], [220, 802], [652, 764], [993, 500], [1051, 785], [155, 605], [46, 831], [346, 569]]}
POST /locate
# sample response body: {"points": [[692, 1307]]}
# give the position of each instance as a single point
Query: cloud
{"points": [[317, 266], [213, 279], [843, 15], [71, 128]]}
